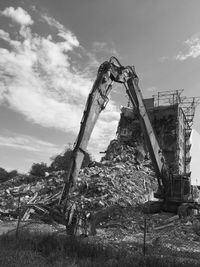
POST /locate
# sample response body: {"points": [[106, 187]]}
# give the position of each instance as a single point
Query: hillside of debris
{"points": [[124, 177]]}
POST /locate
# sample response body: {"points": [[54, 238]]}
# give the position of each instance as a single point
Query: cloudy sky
{"points": [[49, 55]]}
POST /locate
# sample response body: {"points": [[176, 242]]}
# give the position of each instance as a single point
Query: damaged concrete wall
{"points": [[164, 122], [129, 130], [169, 125]]}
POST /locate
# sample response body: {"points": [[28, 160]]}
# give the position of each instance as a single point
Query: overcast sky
{"points": [[49, 54]]}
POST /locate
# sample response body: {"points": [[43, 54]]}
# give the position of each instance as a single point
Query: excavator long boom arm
{"points": [[155, 152], [96, 102], [109, 72]]}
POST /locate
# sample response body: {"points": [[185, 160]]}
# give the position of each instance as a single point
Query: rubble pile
{"points": [[106, 200], [124, 177], [26, 189], [121, 178]]}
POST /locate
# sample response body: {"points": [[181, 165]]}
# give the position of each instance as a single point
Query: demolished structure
{"points": [[171, 116], [169, 160]]}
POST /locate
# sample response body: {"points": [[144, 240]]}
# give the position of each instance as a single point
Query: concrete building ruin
{"points": [[171, 116]]}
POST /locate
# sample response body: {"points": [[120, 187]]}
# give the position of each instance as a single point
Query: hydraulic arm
{"points": [[109, 72]]}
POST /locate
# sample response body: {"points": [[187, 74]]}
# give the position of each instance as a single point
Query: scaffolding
{"points": [[188, 104], [174, 99], [167, 98]]}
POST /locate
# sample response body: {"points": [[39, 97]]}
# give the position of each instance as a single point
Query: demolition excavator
{"points": [[173, 189]]}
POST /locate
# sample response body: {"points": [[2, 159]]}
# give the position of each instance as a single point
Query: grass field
{"points": [[39, 249]]}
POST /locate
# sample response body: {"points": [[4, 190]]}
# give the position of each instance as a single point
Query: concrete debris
{"points": [[164, 226], [120, 179], [28, 190], [108, 199]]}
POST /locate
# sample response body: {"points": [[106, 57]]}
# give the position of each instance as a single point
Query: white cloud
{"points": [[53, 22], [39, 84], [39, 81], [18, 15], [193, 48], [62, 31], [105, 130], [4, 35], [28, 143]]}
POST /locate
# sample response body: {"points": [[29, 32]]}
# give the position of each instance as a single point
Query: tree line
{"points": [[58, 163], [5, 175]]}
